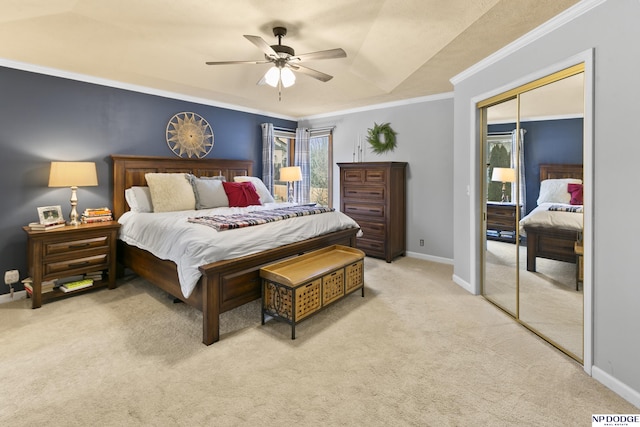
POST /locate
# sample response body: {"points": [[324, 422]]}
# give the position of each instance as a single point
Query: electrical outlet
{"points": [[11, 277], [421, 242]]}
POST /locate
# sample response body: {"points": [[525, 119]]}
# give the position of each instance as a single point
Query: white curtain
{"points": [[302, 189], [521, 168], [268, 143]]}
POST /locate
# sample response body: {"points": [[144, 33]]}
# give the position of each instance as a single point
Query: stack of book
{"points": [[78, 284], [96, 215], [36, 226], [96, 276], [47, 285]]}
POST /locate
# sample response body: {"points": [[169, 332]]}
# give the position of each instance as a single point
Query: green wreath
{"points": [[388, 143]]}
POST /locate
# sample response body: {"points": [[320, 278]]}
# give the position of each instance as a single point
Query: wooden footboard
{"points": [[550, 243], [226, 284]]}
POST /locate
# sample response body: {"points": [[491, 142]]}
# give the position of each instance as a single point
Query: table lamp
{"points": [[290, 174], [504, 175], [74, 175]]}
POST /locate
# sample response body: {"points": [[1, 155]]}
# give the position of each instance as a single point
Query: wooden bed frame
{"points": [[552, 243], [226, 284]]}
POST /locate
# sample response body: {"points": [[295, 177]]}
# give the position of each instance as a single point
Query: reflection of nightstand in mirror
{"points": [[579, 250], [501, 222]]}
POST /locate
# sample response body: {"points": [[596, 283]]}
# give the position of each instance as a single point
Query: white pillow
{"points": [[139, 199], [170, 192], [556, 190], [209, 192], [261, 189]]}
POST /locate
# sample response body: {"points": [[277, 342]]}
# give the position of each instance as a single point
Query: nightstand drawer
{"points": [[362, 209], [96, 261], [76, 245], [372, 193]]}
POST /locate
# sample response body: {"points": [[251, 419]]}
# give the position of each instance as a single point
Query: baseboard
{"points": [[16, 296], [463, 284], [617, 386], [432, 258]]}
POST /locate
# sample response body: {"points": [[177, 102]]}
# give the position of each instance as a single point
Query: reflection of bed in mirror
{"points": [[554, 239]]}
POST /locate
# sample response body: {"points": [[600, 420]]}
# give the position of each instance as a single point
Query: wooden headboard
{"points": [[558, 171], [129, 171]]}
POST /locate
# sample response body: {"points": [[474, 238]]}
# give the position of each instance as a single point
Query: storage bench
{"points": [[296, 288]]}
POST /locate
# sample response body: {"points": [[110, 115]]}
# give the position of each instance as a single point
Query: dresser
{"points": [[374, 195]]}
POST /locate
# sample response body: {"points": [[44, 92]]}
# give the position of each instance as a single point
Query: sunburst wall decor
{"points": [[189, 134]]}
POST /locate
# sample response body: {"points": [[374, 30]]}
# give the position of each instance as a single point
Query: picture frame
{"points": [[50, 215]]}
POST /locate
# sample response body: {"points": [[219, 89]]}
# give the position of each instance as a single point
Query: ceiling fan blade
{"points": [[236, 62], [262, 45], [310, 72], [323, 54]]}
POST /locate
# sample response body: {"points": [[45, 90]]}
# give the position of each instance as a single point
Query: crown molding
{"points": [[409, 101], [133, 88]]}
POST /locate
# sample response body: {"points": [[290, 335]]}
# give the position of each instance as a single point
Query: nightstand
{"points": [[70, 251], [501, 222]]}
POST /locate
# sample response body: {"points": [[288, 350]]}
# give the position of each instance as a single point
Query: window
{"points": [[320, 159]]}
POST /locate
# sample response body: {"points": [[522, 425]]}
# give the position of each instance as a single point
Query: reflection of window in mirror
{"points": [[282, 157]]}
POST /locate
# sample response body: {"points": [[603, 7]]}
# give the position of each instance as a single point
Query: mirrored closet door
{"points": [[532, 145]]}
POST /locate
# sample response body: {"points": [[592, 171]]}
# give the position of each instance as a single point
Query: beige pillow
{"points": [[261, 189], [170, 192]]}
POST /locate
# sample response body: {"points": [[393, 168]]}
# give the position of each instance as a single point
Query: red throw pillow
{"points": [[241, 194], [576, 194]]}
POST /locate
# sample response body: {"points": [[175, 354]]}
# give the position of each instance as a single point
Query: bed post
{"points": [[210, 308]]}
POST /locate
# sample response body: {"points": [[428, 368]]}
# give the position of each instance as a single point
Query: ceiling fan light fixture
{"points": [[272, 76], [287, 77]]}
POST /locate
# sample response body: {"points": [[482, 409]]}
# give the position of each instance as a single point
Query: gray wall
{"points": [[612, 30], [425, 138]]}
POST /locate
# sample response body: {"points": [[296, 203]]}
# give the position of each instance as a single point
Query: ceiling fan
{"points": [[285, 60]]}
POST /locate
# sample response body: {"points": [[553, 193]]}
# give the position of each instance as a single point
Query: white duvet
{"points": [[541, 216], [169, 236]]}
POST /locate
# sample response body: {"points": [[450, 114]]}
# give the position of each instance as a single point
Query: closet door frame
{"points": [[476, 185]]}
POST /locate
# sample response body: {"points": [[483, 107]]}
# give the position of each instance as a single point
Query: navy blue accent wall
{"points": [[549, 141], [45, 118]]}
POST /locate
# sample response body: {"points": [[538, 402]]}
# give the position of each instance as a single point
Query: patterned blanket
{"points": [[230, 222], [561, 208]]}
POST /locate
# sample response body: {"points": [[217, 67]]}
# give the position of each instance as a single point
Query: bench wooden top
{"points": [[304, 268]]}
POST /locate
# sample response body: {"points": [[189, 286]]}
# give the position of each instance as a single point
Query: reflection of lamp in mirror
{"points": [[504, 175], [290, 174], [74, 175]]}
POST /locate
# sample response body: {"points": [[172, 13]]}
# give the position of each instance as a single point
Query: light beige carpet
{"points": [[549, 301], [417, 350]]}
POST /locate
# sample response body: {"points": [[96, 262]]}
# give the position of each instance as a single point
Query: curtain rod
{"points": [[324, 129]]}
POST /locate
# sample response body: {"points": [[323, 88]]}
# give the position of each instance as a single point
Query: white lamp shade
{"points": [[272, 76], [503, 175], [287, 77], [290, 174], [73, 174]]}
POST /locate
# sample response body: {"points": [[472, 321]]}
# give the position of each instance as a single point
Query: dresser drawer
{"points": [[377, 176], [371, 247], [69, 246], [353, 176], [353, 209], [372, 229], [65, 266], [361, 193]]}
